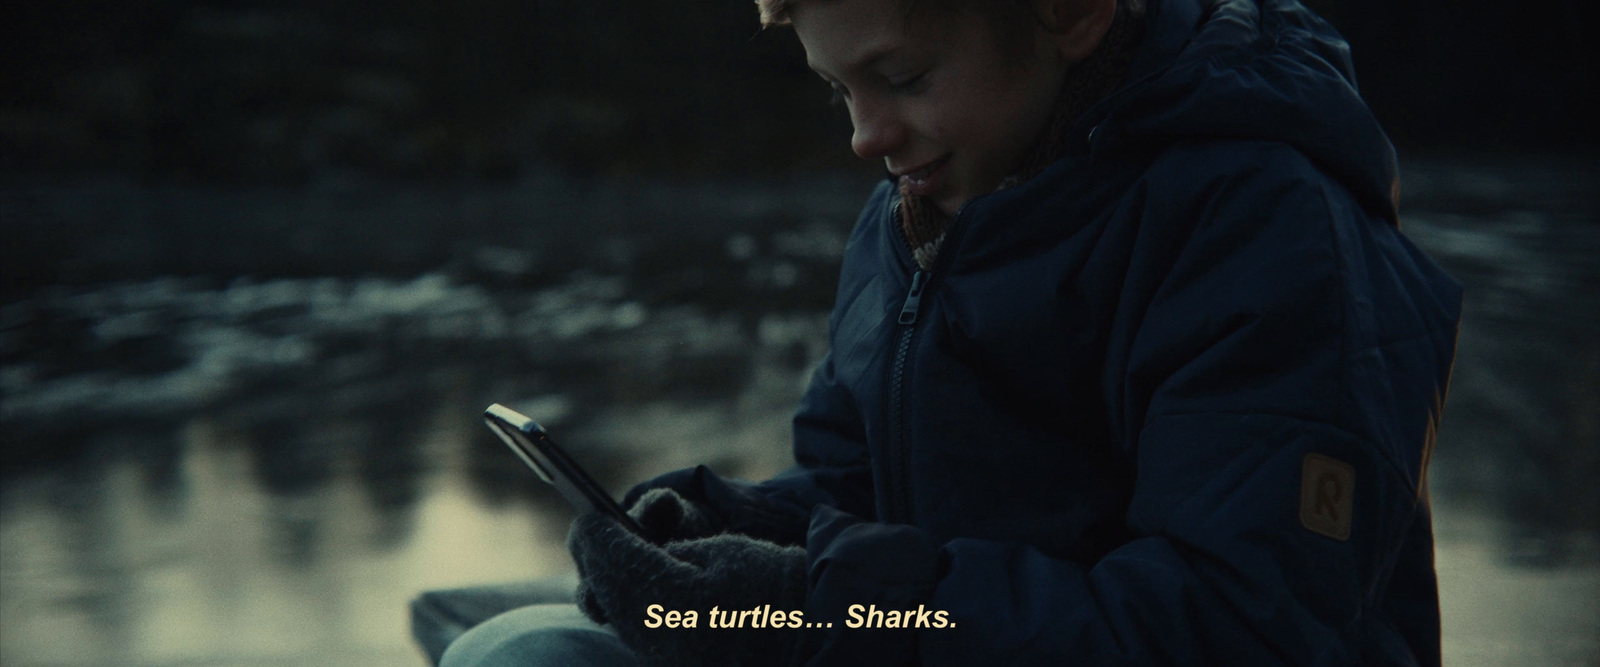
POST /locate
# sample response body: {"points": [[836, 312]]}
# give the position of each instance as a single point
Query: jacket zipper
{"points": [[900, 454], [900, 494]]}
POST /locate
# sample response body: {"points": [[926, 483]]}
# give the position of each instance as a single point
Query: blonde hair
{"points": [[776, 12], [1008, 18]]}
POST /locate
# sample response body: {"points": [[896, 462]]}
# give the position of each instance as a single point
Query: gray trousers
{"points": [[532, 623]]}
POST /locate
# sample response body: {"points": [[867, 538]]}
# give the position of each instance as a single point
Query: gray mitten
{"points": [[665, 517], [733, 585]]}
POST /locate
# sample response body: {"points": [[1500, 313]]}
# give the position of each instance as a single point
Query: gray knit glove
{"points": [[722, 579], [665, 517]]}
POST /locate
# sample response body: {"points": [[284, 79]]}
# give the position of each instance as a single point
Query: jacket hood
{"points": [[1268, 70]]}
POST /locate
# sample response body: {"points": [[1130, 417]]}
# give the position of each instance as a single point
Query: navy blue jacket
{"points": [[1093, 432]]}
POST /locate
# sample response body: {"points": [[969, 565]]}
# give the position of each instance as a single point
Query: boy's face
{"points": [[932, 95]]}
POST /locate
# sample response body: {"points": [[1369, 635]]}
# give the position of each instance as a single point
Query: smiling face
{"points": [[932, 95]]}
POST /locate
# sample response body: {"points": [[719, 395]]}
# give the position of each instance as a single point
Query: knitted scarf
{"points": [[1087, 82]]}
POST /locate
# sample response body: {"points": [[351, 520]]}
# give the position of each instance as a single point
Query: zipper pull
{"points": [[908, 313]]}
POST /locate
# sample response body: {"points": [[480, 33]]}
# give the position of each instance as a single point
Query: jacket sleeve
{"points": [[1243, 366]]}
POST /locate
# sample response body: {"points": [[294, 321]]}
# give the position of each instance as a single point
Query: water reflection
{"points": [[264, 472], [256, 568], [1521, 438]]}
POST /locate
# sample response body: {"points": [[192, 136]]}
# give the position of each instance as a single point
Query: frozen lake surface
{"points": [[264, 471]]}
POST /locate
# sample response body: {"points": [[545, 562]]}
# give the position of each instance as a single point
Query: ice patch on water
{"points": [[220, 337]]}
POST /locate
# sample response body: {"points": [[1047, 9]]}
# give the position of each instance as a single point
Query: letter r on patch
{"points": [[1327, 496]]}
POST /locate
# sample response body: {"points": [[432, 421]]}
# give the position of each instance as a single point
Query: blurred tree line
{"points": [[253, 90], [289, 90]]}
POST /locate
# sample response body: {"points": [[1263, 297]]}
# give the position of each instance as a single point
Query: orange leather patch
{"points": [[1327, 496]]}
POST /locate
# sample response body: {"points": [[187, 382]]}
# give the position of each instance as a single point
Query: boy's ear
{"points": [[1076, 27]]}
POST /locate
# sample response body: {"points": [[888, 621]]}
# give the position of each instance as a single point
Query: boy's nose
{"points": [[877, 132]]}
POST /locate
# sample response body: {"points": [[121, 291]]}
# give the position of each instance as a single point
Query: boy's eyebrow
{"points": [[866, 63]]}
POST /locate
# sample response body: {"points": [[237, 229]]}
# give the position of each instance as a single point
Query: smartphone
{"points": [[535, 448]]}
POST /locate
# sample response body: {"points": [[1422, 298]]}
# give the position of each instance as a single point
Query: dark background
{"points": [[264, 262], [284, 91], [242, 94]]}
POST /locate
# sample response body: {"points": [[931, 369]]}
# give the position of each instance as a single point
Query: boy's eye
{"points": [[910, 85]]}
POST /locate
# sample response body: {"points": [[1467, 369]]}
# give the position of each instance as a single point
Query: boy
{"points": [[1129, 365]]}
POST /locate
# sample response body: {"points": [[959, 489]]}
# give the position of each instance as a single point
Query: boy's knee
{"points": [[549, 634]]}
